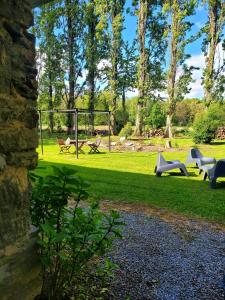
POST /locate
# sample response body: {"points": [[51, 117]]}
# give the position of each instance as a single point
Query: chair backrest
{"points": [[195, 153], [60, 142], [122, 139], [220, 168], [160, 160], [67, 142], [98, 142]]}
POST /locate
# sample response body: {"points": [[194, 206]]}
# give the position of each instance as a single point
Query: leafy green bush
{"points": [[72, 230], [127, 130], [157, 118], [206, 123], [204, 129]]}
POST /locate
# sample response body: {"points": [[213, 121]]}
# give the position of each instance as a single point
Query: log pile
{"points": [[155, 133], [220, 133]]}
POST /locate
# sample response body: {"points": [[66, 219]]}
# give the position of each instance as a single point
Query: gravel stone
{"points": [[163, 261]]}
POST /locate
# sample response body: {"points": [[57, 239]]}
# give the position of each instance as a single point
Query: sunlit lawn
{"points": [[129, 177]]}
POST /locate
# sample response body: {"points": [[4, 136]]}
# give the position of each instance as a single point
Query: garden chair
{"points": [[164, 165], [214, 172], [196, 157], [94, 146], [122, 139], [64, 146]]}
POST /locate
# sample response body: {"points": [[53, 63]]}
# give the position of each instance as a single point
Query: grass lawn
{"points": [[130, 177]]}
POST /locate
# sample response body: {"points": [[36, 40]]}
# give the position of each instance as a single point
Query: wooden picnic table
{"points": [[80, 145]]}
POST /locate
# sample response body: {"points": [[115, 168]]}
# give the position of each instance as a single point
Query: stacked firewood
{"points": [[155, 133], [220, 133]]}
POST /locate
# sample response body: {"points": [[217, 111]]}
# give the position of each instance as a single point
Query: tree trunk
{"points": [[91, 103], [116, 15], [71, 100], [168, 131], [91, 64], [142, 70], [50, 104], [124, 100], [139, 119], [210, 59], [172, 74]]}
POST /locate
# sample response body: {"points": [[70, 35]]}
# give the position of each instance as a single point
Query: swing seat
{"points": [[64, 148], [94, 146]]}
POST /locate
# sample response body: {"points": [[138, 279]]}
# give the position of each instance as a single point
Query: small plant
{"points": [[73, 232], [127, 130]]}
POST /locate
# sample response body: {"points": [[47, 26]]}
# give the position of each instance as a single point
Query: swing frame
{"points": [[76, 112]]}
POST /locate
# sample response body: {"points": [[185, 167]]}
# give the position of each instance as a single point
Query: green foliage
{"points": [[213, 32], [127, 130], [178, 13], [186, 111], [71, 234], [204, 130], [157, 116], [121, 118], [206, 124]]}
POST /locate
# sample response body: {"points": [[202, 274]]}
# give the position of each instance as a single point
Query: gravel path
{"points": [[162, 261]]}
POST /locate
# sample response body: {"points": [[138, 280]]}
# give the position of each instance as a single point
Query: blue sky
{"points": [[197, 59]]}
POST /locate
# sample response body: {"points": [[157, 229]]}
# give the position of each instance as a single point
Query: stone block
{"points": [[15, 138], [26, 159], [2, 163], [20, 272]]}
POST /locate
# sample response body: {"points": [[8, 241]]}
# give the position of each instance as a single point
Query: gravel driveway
{"points": [[162, 261]]}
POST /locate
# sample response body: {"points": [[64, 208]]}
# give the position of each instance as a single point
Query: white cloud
{"points": [[199, 25], [103, 63], [197, 61], [133, 93]]}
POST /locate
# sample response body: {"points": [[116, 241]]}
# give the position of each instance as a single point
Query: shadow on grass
{"points": [[180, 194], [217, 143]]}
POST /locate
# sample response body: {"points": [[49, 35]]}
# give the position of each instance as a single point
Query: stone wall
{"points": [[18, 141]]}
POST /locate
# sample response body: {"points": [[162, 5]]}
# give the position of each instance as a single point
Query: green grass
{"points": [[129, 177]]}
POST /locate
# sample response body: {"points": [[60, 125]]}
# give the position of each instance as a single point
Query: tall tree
{"points": [[112, 19], [91, 55], [128, 74], [117, 20], [142, 64], [50, 56], [60, 40], [177, 11], [213, 77], [152, 46], [72, 39]]}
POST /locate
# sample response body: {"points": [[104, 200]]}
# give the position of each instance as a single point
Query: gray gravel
{"points": [[163, 261]]}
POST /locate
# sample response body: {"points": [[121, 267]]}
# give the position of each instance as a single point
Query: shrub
{"points": [[121, 119], [70, 236], [204, 129], [127, 130], [206, 124], [157, 118]]}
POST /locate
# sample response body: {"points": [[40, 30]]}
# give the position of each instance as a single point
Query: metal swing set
{"points": [[75, 112]]}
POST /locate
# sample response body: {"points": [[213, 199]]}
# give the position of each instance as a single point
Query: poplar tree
{"points": [[112, 21], [128, 71], [72, 39], [177, 12], [151, 47], [92, 54], [50, 58], [213, 76]]}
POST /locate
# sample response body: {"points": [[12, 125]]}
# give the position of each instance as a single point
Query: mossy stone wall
{"points": [[19, 266]]}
